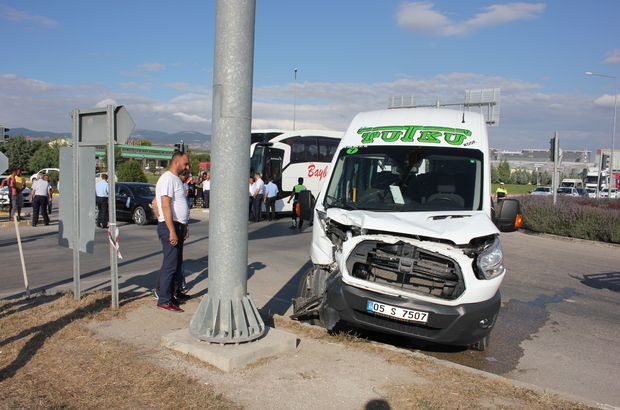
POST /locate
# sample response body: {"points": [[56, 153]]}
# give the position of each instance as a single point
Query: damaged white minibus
{"points": [[404, 239]]}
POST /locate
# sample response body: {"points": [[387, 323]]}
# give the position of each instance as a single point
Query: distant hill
{"points": [[194, 139]]}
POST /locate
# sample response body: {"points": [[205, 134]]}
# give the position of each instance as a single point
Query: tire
{"points": [[139, 216], [482, 344], [312, 284]]}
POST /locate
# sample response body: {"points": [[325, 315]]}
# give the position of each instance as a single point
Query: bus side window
{"points": [[327, 149]]}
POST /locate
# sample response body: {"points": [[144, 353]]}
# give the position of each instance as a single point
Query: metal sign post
{"points": [[91, 128], [75, 200], [555, 146], [112, 228]]}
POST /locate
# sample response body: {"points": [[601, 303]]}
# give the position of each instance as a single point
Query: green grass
{"points": [[514, 189], [152, 179]]}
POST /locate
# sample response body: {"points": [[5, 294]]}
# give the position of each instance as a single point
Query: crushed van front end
{"points": [[432, 291]]}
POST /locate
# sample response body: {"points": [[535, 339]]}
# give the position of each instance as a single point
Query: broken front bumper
{"points": [[460, 325]]}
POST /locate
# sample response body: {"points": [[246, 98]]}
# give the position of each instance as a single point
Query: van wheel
{"points": [[482, 344], [311, 289]]}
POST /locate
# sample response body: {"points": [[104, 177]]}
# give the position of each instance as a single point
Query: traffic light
{"points": [[3, 136], [604, 162], [553, 149], [555, 152], [181, 147]]}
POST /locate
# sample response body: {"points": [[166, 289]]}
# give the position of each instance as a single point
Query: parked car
{"points": [[569, 191], [542, 190], [610, 193], [5, 197], [43, 172], [149, 166], [591, 192], [133, 201], [582, 192]]}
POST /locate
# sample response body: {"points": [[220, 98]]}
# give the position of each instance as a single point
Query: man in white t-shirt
{"points": [[206, 190], [172, 230], [257, 202]]}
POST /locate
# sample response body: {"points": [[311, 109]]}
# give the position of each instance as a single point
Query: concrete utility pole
{"points": [[227, 313]]}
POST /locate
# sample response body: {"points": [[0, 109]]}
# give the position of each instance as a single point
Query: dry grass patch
{"points": [[49, 360], [446, 387]]}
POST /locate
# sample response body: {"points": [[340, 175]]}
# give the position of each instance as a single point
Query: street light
{"points": [[613, 135], [295, 101]]}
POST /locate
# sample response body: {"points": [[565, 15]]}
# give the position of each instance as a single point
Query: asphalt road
{"points": [[559, 325]]}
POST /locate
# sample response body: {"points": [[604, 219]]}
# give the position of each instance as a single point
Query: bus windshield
{"points": [[403, 179]]}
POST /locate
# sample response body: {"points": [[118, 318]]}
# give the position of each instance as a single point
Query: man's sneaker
{"points": [[182, 296], [171, 307], [155, 295]]}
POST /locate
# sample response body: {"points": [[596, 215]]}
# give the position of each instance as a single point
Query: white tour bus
{"points": [[288, 155]]}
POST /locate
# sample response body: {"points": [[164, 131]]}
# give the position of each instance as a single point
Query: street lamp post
{"points": [[613, 135], [295, 101]]}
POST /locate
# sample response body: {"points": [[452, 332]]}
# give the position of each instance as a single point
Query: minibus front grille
{"points": [[406, 267]]}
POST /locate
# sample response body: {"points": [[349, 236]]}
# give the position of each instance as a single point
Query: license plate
{"points": [[396, 312]]}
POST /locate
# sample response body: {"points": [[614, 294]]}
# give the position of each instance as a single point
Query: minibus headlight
{"points": [[491, 261]]}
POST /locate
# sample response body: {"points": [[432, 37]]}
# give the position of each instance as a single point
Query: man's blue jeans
{"points": [[171, 267]]}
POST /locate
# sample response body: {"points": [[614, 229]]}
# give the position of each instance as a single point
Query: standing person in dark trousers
{"points": [[16, 186], [251, 192], [295, 194], [172, 230], [257, 202], [102, 191], [46, 178], [271, 195], [40, 191], [206, 190], [191, 192]]}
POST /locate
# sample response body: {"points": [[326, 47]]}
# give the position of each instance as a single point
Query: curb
{"points": [[516, 383], [569, 239]]}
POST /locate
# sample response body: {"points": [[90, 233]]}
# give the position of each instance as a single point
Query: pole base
{"points": [[225, 321]]}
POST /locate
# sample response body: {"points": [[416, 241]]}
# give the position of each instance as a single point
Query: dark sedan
{"points": [[133, 201]]}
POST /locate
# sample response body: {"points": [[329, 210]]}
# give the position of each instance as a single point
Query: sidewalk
{"points": [[331, 371]]}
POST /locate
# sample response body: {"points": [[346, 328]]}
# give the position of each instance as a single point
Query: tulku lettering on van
{"points": [[411, 133]]}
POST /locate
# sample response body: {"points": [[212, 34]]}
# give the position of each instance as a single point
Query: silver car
{"points": [[570, 191], [542, 190], [5, 197]]}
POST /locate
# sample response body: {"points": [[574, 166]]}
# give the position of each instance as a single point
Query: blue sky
{"points": [[156, 58]]}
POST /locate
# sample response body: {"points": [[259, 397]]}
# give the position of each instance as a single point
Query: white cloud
{"points": [[187, 87], [23, 16], [12, 83], [152, 66], [105, 103], [420, 17], [190, 118], [614, 57], [529, 115], [605, 101]]}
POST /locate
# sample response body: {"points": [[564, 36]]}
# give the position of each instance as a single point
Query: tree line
{"points": [[32, 156], [503, 173]]}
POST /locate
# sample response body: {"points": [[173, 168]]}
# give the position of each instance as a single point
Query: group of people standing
{"points": [[262, 194], [172, 205], [41, 196], [200, 187]]}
